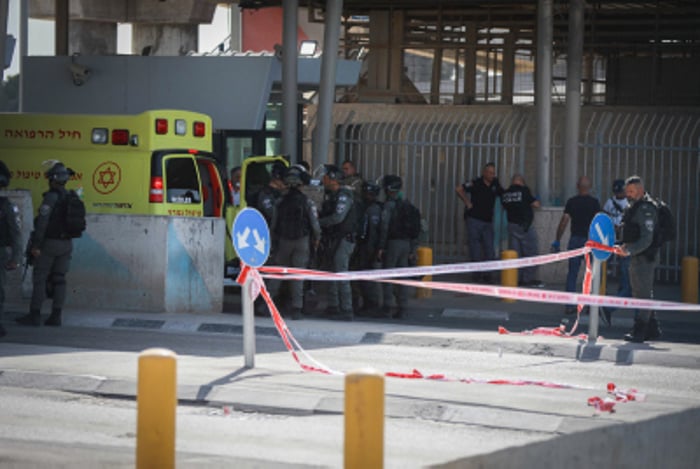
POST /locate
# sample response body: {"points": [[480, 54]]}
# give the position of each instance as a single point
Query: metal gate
{"points": [[435, 148]]}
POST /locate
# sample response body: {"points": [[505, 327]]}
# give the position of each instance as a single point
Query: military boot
{"points": [[55, 318], [653, 329], [638, 332], [31, 319]]}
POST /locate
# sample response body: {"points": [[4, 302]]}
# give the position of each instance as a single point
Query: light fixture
{"points": [[308, 48]]}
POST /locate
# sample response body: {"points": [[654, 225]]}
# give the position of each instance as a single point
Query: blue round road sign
{"points": [[602, 231], [251, 237]]}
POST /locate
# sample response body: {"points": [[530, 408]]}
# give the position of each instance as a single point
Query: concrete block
{"points": [[148, 263]]}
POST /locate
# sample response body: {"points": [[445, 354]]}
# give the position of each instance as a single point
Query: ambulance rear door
{"points": [[175, 187]]}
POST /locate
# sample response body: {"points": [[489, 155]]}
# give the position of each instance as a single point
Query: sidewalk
{"points": [[444, 320]]}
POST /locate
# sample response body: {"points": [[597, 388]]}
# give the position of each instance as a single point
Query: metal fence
{"points": [[435, 148]]}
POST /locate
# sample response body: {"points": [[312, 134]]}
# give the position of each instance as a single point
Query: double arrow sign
{"points": [[243, 240]]}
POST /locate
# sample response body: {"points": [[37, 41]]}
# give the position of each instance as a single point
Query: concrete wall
{"points": [[234, 91], [137, 263]]}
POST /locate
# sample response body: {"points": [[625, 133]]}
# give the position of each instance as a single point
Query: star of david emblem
{"points": [[106, 177]]}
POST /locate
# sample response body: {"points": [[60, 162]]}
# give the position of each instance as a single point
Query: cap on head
{"points": [[392, 183], [333, 172], [59, 174], [633, 180], [5, 175], [618, 186]]}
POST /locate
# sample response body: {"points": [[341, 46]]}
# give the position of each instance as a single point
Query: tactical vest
{"points": [[349, 223], [293, 216], [631, 231]]}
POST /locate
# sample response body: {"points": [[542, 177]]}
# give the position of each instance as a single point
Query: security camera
{"points": [[80, 74]]}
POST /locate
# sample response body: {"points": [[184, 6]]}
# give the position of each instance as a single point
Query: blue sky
{"points": [[41, 35]]}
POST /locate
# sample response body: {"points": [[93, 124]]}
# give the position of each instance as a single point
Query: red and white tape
{"points": [[257, 287]]}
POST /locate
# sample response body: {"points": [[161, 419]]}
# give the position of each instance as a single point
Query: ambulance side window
{"points": [[181, 181]]}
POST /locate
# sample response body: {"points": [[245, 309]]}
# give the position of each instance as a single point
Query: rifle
{"points": [[28, 258]]}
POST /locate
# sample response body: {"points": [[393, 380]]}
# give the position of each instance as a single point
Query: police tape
{"points": [[515, 293], [257, 287], [291, 273]]}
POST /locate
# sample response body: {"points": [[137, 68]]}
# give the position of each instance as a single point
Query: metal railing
{"points": [[435, 148]]}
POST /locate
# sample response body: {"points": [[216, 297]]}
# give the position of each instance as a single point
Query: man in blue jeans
{"points": [[479, 198], [580, 210]]}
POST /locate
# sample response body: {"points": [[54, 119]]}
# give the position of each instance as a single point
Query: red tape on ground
{"points": [[257, 286]]}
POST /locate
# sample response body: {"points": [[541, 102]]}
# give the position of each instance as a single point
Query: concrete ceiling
{"points": [[612, 27]]}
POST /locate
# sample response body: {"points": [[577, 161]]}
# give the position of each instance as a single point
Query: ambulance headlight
{"points": [[99, 136], [180, 127]]}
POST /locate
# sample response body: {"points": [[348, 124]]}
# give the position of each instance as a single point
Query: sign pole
{"points": [[248, 324], [251, 240], [593, 316], [601, 231]]}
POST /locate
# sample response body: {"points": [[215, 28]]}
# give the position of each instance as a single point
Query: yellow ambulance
{"points": [[158, 162]]}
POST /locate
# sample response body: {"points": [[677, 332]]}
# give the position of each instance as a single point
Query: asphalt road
{"points": [[67, 399]]}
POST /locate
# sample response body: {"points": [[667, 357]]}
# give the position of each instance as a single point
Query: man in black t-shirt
{"points": [[518, 203], [478, 213], [580, 210]]}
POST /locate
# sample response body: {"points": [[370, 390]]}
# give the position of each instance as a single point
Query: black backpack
{"points": [[292, 216], [74, 221], [405, 221], [665, 229]]}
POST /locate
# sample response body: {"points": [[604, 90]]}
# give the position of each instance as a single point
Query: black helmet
{"points": [[5, 175], [371, 188], [618, 186], [294, 176], [278, 170], [333, 172], [392, 183], [59, 173]]}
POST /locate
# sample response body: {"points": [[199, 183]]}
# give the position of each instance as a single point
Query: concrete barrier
{"points": [[148, 263], [136, 263], [545, 224]]}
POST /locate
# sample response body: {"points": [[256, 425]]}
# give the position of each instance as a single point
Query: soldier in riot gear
{"points": [[296, 229], [338, 224], [395, 248], [638, 224], [268, 196], [9, 237], [50, 249], [368, 246]]}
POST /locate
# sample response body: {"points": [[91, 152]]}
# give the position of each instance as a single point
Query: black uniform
{"points": [[479, 220], [517, 201]]}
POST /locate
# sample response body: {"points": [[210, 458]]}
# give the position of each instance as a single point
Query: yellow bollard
{"points": [[156, 403], [425, 257], [509, 277], [364, 419], [689, 279]]}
